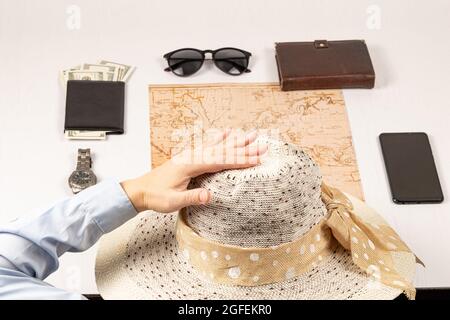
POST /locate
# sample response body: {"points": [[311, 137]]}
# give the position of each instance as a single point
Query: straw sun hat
{"points": [[274, 231]]}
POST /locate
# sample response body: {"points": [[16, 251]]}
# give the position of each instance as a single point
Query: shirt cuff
{"points": [[108, 205]]}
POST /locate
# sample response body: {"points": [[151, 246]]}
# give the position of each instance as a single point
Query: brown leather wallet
{"points": [[324, 64]]}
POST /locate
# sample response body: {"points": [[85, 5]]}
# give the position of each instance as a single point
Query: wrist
{"points": [[135, 195]]}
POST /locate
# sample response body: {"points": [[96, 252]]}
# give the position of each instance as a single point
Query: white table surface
{"points": [[408, 42]]}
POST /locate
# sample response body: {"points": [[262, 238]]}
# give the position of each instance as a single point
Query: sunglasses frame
{"points": [[213, 53]]}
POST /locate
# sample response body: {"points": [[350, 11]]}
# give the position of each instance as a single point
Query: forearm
{"points": [[32, 246]]}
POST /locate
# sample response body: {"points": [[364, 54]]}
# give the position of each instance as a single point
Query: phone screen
{"points": [[410, 167]]}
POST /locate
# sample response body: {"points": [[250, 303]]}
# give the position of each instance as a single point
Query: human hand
{"points": [[164, 189]]}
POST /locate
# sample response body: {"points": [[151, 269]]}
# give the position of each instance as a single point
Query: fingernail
{"points": [[204, 196], [263, 148]]}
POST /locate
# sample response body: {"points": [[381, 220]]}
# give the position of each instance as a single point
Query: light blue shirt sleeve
{"points": [[30, 247]]}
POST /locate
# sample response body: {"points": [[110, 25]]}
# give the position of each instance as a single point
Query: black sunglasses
{"points": [[187, 61]]}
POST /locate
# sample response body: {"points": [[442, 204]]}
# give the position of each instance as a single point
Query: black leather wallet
{"points": [[95, 106]]}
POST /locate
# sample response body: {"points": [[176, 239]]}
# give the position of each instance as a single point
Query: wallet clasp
{"points": [[321, 44]]}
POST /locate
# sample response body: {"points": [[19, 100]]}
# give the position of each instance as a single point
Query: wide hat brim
{"points": [[141, 260]]}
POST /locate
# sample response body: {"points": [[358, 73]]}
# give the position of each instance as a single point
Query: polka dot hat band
{"points": [[371, 246]]}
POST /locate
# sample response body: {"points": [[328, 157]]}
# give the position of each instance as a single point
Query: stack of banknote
{"points": [[101, 71]]}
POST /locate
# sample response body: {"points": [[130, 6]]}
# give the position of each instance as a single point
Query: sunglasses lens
{"points": [[231, 61], [185, 62]]}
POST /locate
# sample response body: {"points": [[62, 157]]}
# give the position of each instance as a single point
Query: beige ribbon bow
{"points": [[371, 246]]}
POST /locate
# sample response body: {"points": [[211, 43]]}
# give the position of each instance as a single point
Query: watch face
{"points": [[81, 179]]}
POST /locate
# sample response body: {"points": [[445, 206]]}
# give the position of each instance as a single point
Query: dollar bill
{"points": [[85, 135], [101, 71], [125, 70], [86, 75], [63, 75], [112, 71], [109, 76]]}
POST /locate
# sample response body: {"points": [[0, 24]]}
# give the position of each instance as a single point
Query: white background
{"points": [[408, 42]]}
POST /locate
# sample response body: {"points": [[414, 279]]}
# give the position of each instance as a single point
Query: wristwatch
{"points": [[83, 176]]}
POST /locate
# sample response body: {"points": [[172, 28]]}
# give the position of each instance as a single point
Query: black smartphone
{"points": [[410, 168]]}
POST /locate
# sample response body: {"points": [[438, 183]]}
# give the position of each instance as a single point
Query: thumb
{"points": [[192, 197]]}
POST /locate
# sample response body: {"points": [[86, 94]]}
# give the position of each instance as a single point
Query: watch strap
{"points": [[84, 161]]}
